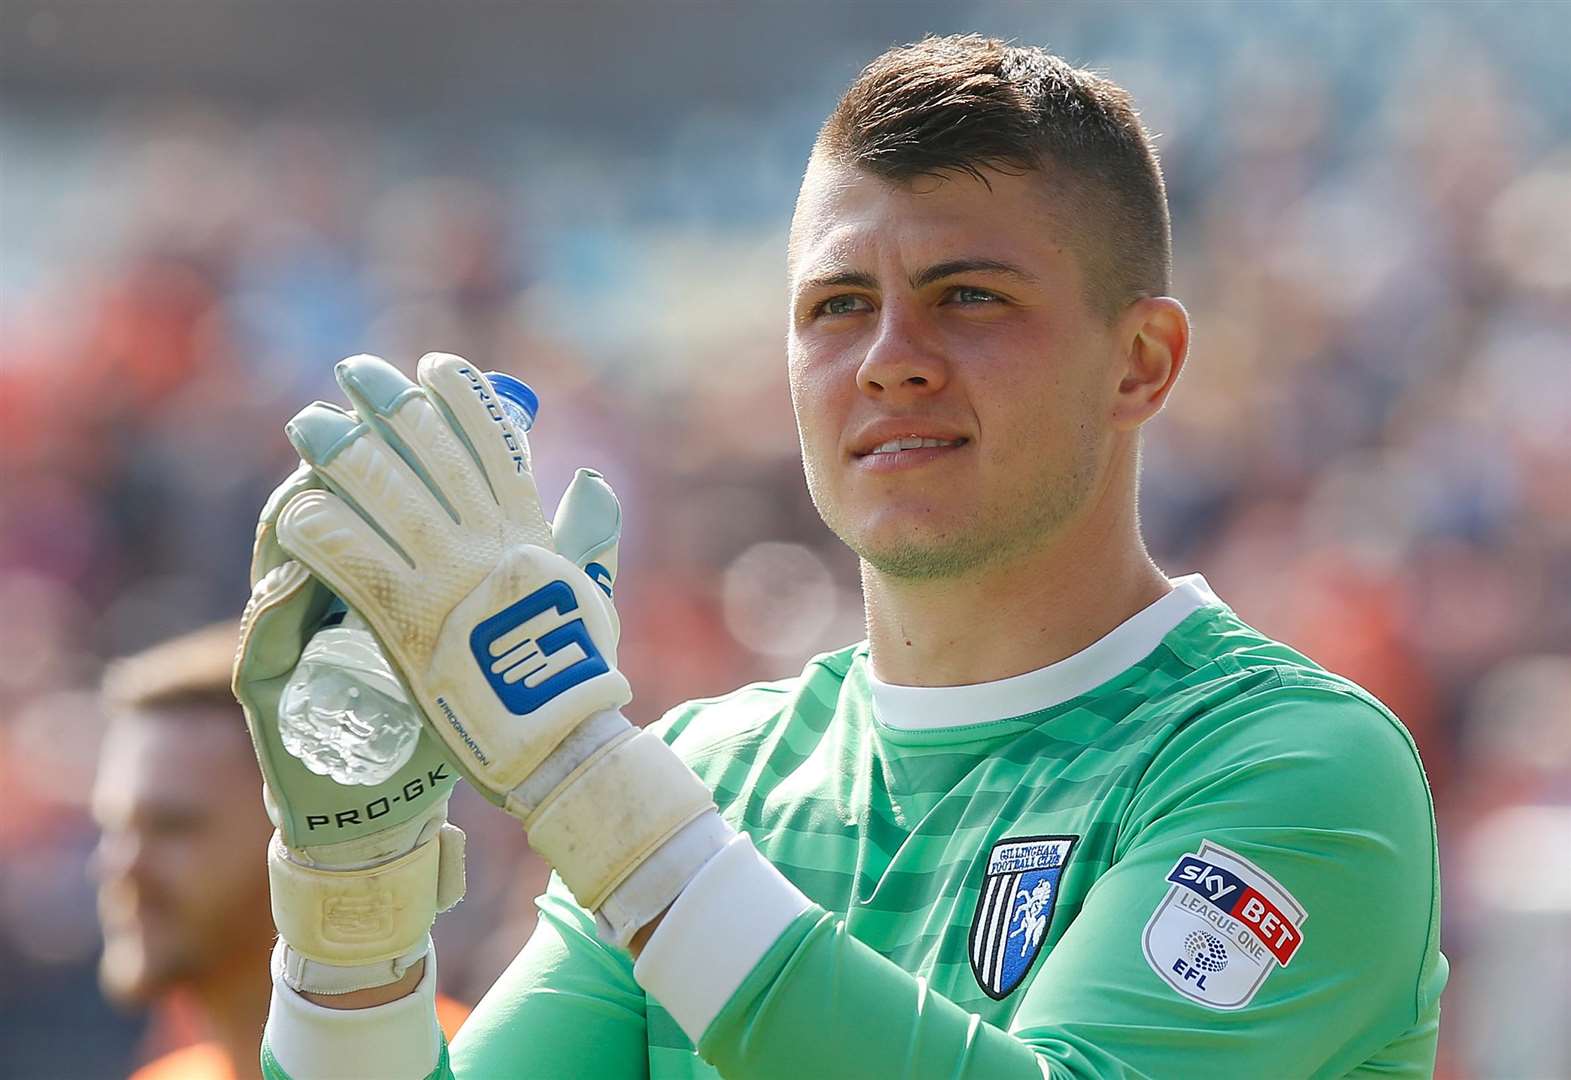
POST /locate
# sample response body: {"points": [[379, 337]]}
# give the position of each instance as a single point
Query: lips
{"points": [[898, 436], [906, 452]]}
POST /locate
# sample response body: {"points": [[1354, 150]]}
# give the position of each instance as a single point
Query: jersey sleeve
{"points": [[566, 1006], [1270, 911], [1272, 906]]}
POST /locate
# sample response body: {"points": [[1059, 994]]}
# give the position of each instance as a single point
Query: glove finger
{"points": [[401, 413], [588, 527], [363, 470], [339, 547], [286, 604], [464, 394], [266, 555]]}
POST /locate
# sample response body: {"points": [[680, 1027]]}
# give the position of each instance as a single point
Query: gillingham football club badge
{"points": [[1223, 927], [1015, 908]]}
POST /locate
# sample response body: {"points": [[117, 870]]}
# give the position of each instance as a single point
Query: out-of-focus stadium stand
{"points": [[203, 206]]}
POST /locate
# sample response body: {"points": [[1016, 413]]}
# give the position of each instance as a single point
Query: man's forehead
{"points": [[831, 194], [173, 756], [842, 207]]}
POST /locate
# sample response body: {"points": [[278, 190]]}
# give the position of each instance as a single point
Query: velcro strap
{"points": [[611, 815], [450, 867], [353, 917]]}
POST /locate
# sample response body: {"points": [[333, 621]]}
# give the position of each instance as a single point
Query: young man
{"points": [[1059, 815], [182, 898]]}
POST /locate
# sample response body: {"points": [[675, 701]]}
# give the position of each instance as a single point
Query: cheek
{"points": [[234, 884], [231, 846], [240, 841], [1031, 408], [818, 402], [173, 864]]}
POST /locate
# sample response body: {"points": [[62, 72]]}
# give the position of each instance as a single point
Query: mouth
{"points": [[907, 451], [909, 442]]}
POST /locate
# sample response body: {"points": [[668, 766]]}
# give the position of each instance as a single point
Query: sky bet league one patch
{"points": [[1016, 905], [1222, 928]]}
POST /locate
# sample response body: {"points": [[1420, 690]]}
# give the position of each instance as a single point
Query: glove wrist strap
{"points": [[350, 918], [613, 812], [313, 977]]}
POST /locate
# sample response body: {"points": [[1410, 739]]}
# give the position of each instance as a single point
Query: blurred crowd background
{"points": [[202, 207]]}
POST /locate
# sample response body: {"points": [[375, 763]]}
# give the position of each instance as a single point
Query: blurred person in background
{"points": [[182, 895], [183, 908]]}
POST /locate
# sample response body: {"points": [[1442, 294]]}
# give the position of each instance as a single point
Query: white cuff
{"points": [[715, 934], [660, 879], [396, 1041]]}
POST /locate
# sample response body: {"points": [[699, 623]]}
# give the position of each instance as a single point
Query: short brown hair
{"points": [[959, 104], [192, 670]]}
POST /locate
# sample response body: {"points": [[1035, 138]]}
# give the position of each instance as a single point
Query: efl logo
{"points": [[536, 649], [1224, 925]]}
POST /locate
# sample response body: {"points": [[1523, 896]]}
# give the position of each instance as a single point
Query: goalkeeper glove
{"points": [[357, 873], [431, 529]]}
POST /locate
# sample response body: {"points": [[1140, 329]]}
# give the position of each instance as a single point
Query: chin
{"points": [[125, 979], [129, 974], [916, 557]]}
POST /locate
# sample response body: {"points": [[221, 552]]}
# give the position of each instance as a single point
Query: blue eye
{"points": [[842, 305], [965, 294]]}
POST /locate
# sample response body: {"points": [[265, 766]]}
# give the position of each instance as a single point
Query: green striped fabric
{"points": [[892, 828], [1218, 735]]}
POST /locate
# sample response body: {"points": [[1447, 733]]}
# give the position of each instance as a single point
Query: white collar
{"points": [[921, 707]]}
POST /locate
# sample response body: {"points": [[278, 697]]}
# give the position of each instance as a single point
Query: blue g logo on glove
{"points": [[536, 649]]}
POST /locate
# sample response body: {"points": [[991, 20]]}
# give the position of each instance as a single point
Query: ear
{"points": [[1153, 339]]}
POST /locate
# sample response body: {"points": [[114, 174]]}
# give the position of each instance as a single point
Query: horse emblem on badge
{"points": [[1015, 908]]}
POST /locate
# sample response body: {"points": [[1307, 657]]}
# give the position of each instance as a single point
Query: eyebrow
{"points": [[926, 276]]}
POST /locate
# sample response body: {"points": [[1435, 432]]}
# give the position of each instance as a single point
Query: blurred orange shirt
{"points": [[206, 1061]]}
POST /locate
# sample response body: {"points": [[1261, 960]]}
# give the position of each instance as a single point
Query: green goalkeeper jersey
{"points": [[1187, 851]]}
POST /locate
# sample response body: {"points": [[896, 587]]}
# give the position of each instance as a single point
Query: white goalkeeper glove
{"points": [[431, 530]]}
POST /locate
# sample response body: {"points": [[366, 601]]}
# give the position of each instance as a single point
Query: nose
{"points": [[903, 363], [118, 855]]}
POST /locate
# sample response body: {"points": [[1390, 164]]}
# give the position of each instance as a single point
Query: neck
{"points": [[234, 1000], [1017, 615]]}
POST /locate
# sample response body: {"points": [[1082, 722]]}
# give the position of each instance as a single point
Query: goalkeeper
{"points": [[1060, 815]]}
